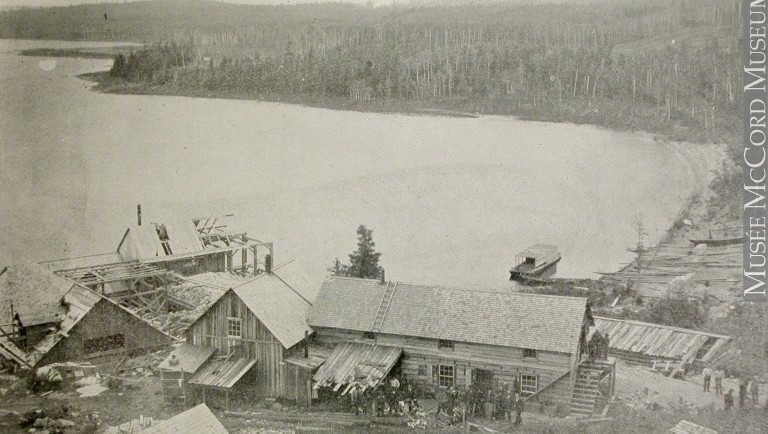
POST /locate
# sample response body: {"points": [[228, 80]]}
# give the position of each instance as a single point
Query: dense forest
{"points": [[663, 66]]}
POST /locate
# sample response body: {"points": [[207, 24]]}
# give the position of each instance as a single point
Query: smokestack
{"points": [[138, 213], [268, 263], [383, 280]]}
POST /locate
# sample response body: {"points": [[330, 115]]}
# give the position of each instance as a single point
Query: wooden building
{"points": [[452, 337], [79, 324], [659, 346], [253, 328], [192, 246]]}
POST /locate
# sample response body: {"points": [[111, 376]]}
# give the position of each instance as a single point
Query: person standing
{"points": [[728, 400], [718, 376], [755, 392], [742, 392], [707, 377], [501, 405], [490, 404], [519, 405]]}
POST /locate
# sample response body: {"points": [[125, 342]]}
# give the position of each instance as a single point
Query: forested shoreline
{"points": [[661, 66]]}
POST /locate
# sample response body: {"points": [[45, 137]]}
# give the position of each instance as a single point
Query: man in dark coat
{"points": [[606, 346], [728, 400], [742, 392], [519, 405]]}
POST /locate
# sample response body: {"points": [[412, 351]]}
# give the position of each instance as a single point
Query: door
{"points": [[483, 379]]}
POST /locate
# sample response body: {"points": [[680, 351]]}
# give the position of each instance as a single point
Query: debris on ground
{"points": [[91, 390]]}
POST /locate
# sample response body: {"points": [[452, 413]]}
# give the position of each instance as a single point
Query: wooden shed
{"points": [[262, 321], [659, 346], [455, 337], [79, 323]]}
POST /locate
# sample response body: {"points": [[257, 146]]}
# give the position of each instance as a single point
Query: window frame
{"points": [[422, 370], [231, 322], [529, 385], [103, 344], [445, 376], [445, 344], [530, 353]]}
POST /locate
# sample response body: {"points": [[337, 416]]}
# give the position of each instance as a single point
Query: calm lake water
{"points": [[451, 200]]}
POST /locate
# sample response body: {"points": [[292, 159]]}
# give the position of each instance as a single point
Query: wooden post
{"points": [[244, 260], [138, 213]]}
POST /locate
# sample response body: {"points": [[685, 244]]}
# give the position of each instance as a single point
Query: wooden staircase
{"points": [[585, 391], [381, 313]]}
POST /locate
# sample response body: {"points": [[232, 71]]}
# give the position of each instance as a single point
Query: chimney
{"points": [[138, 213], [383, 280], [268, 263]]}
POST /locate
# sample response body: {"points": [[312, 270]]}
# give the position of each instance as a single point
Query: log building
{"points": [[454, 337]]}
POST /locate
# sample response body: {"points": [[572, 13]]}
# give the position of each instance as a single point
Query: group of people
{"points": [[598, 346], [389, 398], [749, 389], [498, 403]]}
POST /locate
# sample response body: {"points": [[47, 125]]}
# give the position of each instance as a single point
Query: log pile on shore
{"points": [[655, 269]]}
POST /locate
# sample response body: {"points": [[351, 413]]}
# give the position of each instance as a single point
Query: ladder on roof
{"points": [[381, 312]]}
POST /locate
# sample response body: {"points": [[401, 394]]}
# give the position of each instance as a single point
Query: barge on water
{"points": [[538, 261]]}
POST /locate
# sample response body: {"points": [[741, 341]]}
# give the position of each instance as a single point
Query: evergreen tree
{"points": [[364, 262]]}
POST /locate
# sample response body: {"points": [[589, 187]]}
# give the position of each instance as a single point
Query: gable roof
{"points": [[542, 322], [79, 301], [34, 291], [278, 305], [196, 420]]}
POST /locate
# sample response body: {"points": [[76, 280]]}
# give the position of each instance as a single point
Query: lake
{"points": [[451, 200]]}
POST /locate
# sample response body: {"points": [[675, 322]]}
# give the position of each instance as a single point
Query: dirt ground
{"points": [[640, 387]]}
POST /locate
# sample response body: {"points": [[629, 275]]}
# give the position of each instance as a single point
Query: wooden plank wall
{"points": [[256, 343], [298, 385], [506, 363], [105, 319]]}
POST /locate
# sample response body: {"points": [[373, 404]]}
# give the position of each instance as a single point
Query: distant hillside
{"points": [[153, 21]]}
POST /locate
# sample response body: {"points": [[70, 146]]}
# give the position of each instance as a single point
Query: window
{"points": [[442, 343], [529, 384], [445, 376], [234, 329], [528, 352], [422, 371], [104, 343], [369, 336]]}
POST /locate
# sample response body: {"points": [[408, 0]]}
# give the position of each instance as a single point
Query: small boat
{"points": [[537, 261], [718, 241]]}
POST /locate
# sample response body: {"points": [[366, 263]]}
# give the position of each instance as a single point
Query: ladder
{"points": [[381, 312]]}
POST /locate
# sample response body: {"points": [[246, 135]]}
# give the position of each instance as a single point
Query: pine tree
{"points": [[364, 262]]}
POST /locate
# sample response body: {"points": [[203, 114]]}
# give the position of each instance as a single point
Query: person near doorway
{"points": [[490, 403], [606, 345]]}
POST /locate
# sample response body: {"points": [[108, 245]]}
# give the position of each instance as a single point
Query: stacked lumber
{"points": [[666, 262]]}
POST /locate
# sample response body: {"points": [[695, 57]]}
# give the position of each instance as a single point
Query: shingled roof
{"points": [[281, 308], [279, 301], [35, 293], [542, 322]]}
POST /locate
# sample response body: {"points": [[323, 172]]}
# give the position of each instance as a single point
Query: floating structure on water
{"points": [[536, 262]]}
